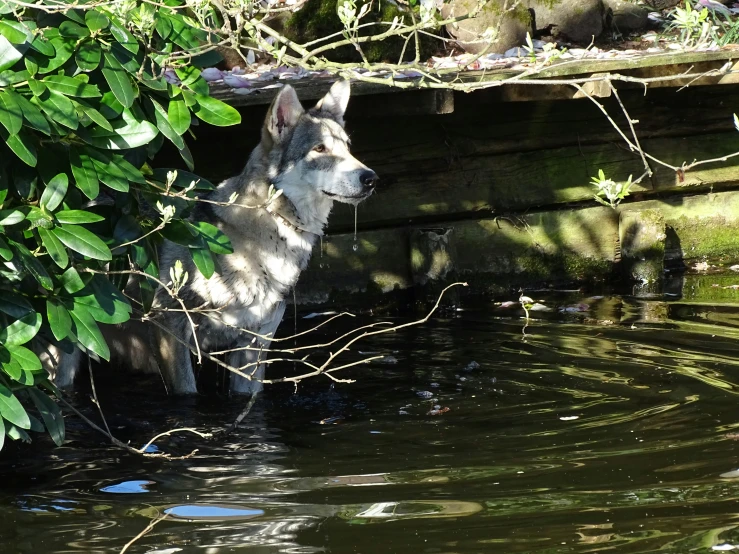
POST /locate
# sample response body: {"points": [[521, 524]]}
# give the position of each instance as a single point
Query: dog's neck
{"points": [[286, 212]]}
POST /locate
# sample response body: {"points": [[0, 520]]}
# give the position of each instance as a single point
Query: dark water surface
{"points": [[612, 426]]}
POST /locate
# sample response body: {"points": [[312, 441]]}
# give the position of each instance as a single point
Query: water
{"points": [[610, 426]]}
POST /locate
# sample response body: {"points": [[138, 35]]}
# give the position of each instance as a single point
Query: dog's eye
{"points": [[321, 148]]}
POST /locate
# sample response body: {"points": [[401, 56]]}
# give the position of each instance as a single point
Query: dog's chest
{"points": [[260, 274]]}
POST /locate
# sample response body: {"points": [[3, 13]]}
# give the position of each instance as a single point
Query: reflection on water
{"points": [[612, 425]]}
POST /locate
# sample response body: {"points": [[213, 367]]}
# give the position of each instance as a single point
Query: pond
{"points": [[607, 424]]}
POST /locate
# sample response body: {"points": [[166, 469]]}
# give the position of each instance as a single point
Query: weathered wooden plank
{"points": [[672, 62], [479, 128], [438, 189]]}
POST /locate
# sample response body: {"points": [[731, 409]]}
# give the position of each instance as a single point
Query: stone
{"points": [[576, 20], [642, 238], [626, 17], [494, 30]]}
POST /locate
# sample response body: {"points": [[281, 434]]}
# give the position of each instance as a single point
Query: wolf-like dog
{"points": [[303, 154]]}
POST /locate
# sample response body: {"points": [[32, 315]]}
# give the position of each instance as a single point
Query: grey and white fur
{"points": [[304, 154]]}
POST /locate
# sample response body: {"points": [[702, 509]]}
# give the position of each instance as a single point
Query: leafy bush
{"points": [[85, 103]]}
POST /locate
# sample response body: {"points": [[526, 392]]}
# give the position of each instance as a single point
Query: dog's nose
{"points": [[368, 179]]}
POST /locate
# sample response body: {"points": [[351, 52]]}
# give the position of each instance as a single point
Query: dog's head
{"points": [[308, 151]]}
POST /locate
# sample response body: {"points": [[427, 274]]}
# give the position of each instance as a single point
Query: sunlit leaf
{"points": [[11, 115], [59, 319], [118, 80], [12, 410], [54, 192], [87, 331], [21, 330], [54, 247], [83, 241], [215, 112]]}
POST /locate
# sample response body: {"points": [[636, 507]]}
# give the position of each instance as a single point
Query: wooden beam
{"points": [[645, 66]]}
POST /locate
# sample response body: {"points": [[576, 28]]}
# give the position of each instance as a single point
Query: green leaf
{"points": [[54, 247], [108, 172], [12, 369], [162, 121], [190, 77], [203, 261], [14, 305], [118, 80], [87, 331], [32, 265], [14, 31], [5, 252], [59, 108], [72, 281], [41, 45], [54, 192], [69, 86], [11, 116], [25, 358], [76, 217], [8, 54], [124, 38], [216, 239], [73, 30], [11, 217], [127, 133], [88, 55], [16, 433], [21, 145], [21, 331], [131, 172], [9, 77], [38, 217], [186, 155], [105, 302], [37, 87], [215, 112], [50, 413], [95, 20], [94, 115], [59, 319], [63, 50], [33, 115], [83, 241], [109, 106], [83, 171], [12, 410], [178, 115]]}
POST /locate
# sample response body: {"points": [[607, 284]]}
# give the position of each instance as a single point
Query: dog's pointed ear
{"points": [[282, 116], [335, 102]]}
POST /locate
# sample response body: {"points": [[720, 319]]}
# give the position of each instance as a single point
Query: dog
{"points": [[304, 157]]}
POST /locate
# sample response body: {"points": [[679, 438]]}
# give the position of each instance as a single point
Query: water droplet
{"points": [[355, 247]]}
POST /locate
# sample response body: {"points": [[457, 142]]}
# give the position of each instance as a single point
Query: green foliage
{"points": [[320, 18], [85, 104], [609, 189]]}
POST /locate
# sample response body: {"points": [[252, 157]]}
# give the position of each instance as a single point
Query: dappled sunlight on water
{"points": [[604, 428]]}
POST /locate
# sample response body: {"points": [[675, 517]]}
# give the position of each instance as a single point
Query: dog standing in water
{"points": [[304, 155]]}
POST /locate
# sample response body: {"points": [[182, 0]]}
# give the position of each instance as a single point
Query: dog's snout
{"points": [[368, 179]]}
